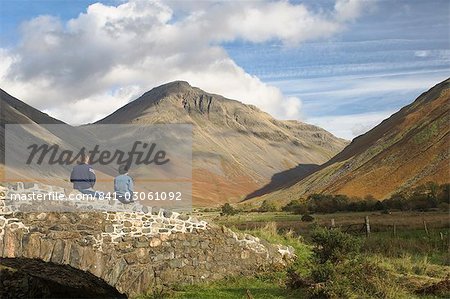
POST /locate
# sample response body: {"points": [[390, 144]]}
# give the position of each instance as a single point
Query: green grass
{"points": [[271, 234], [269, 287], [415, 243], [265, 285], [388, 266], [254, 216]]}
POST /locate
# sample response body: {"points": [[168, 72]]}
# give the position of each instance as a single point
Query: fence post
{"points": [[425, 227], [367, 226], [395, 230], [332, 223]]}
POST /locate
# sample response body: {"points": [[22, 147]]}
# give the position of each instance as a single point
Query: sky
{"points": [[344, 65]]}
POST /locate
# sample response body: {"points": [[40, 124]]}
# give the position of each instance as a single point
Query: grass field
{"points": [[412, 258], [379, 222]]}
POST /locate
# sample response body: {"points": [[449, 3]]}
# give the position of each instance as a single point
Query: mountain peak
{"points": [[170, 88]]}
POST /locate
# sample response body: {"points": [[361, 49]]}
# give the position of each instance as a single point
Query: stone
{"points": [[58, 252], [116, 271], [204, 244], [41, 216], [108, 228], [131, 258], [76, 252], [155, 242], [183, 217], [143, 239], [141, 244], [177, 263], [125, 246], [164, 237], [46, 249], [245, 254], [127, 224]]}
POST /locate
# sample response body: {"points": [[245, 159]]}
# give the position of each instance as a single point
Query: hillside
{"points": [[14, 111], [408, 149], [237, 148]]}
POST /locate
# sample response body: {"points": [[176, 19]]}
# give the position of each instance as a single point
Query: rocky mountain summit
{"points": [[237, 148]]}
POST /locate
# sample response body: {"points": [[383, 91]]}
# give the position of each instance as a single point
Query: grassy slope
{"points": [[411, 259], [405, 150]]}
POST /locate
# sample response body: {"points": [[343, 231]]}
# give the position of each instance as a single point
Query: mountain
{"points": [[14, 111], [408, 149], [237, 148], [36, 127]]}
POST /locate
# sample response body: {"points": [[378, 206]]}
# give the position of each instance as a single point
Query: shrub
{"points": [[296, 207], [359, 278], [267, 206], [420, 198], [228, 209], [307, 218], [443, 206], [333, 245]]}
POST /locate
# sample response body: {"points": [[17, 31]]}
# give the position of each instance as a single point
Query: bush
{"points": [[267, 206], [339, 271], [333, 245], [227, 209], [420, 198], [307, 218], [296, 207], [358, 278], [443, 206]]}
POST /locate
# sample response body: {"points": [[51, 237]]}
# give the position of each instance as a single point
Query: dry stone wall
{"points": [[133, 251]]}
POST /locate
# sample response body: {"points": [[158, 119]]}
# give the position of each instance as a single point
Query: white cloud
{"points": [[352, 125], [348, 10], [85, 68], [422, 53]]}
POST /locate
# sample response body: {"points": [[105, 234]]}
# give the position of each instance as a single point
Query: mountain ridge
{"points": [[404, 150], [13, 110], [236, 147]]}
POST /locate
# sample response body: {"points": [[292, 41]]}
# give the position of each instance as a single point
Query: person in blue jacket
{"points": [[83, 178], [123, 186]]}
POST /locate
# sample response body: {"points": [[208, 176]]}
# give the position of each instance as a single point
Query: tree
{"points": [[227, 209], [444, 193], [296, 207], [379, 206], [267, 206]]}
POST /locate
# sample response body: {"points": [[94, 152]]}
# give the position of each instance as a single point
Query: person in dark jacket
{"points": [[123, 186], [83, 178]]}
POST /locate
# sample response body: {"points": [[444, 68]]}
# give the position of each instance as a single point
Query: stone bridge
{"points": [[123, 254]]}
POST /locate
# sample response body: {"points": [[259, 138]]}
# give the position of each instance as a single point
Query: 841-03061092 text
{"points": [[152, 195]]}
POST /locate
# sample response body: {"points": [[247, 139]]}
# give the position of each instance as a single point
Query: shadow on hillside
{"points": [[285, 179]]}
